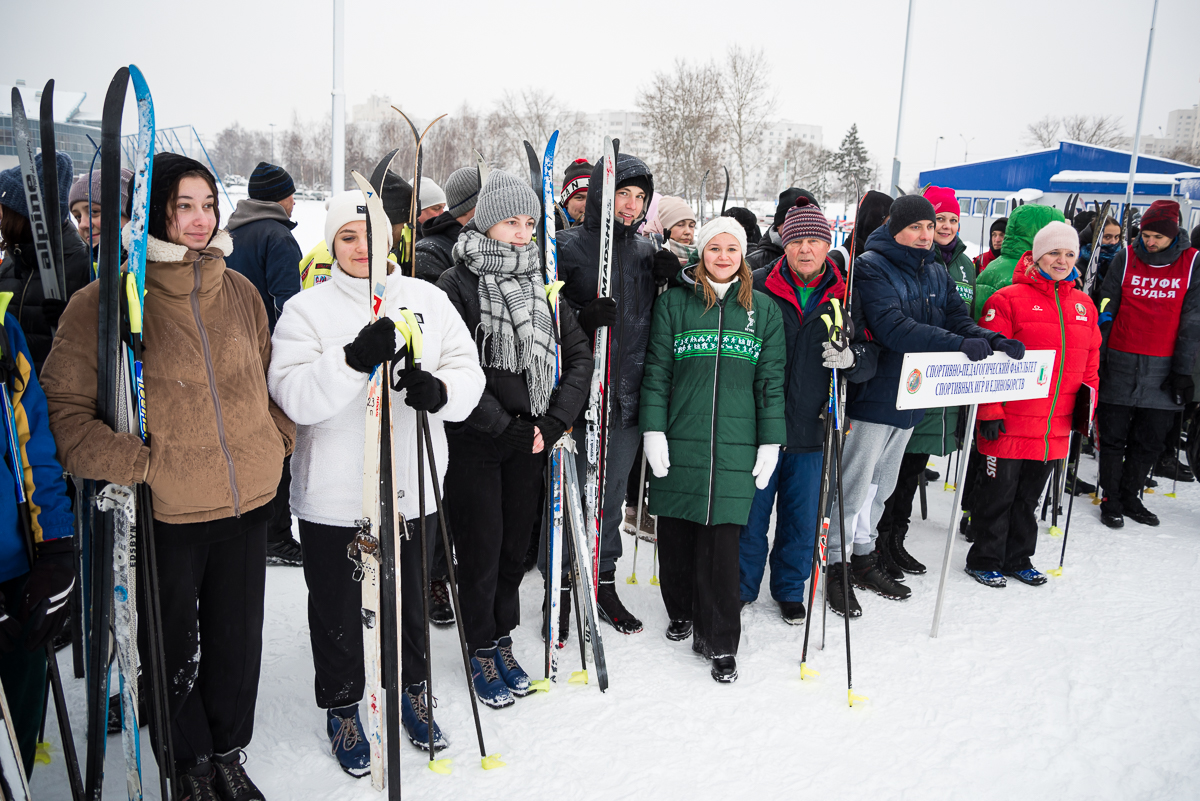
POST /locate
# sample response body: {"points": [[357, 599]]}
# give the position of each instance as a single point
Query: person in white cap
{"points": [[709, 449], [433, 200]]}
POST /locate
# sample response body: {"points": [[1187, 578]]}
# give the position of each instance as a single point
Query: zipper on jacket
{"points": [[712, 438], [1062, 330], [194, 298]]}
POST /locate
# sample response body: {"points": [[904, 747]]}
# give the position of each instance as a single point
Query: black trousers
{"points": [[897, 510], [1004, 516], [280, 527], [211, 581], [335, 610], [1131, 439], [492, 495], [699, 577], [23, 674]]}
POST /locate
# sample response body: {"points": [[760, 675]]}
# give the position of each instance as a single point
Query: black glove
{"points": [[552, 429], [375, 344], [52, 309], [10, 629], [666, 266], [990, 429], [976, 348], [48, 592], [599, 313], [518, 435], [424, 392], [1013, 347], [1180, 387]]}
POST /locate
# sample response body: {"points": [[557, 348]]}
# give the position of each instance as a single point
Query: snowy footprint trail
{"points": [[1081, 689]]}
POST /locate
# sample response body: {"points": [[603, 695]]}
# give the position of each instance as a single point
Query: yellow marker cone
{"points": [[578, 677], [42, 754], [540, 685], [807, 673], [1055, 531], [492, 762], [441, 766], [632, 579], [1055, 571], [851, 697]]}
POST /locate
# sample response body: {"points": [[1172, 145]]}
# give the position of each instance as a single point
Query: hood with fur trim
{"points": [[159, 251]]}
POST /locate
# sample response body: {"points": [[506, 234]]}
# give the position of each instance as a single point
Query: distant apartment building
{"points": [[624, 125], [1181, 132], [377, 109]]}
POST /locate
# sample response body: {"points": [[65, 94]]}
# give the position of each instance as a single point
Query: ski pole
{"points": [[488, 761], [955, 509], [816, 572], [637, 524], [1175, 456], [1076, 446], [654, 564], [840, 439], [576, 584], [550, 567]]}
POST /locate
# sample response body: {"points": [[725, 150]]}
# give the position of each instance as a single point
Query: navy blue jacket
{"points": [[265, 251], [632, 283], [908, 303]]}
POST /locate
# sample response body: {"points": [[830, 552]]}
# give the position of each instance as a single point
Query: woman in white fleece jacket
{"points": [[323, 352]]}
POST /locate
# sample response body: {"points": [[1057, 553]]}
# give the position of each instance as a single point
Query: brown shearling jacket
{"points": [[217, 440]]}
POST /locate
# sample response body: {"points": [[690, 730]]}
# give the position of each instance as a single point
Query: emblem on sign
{"points": [[1043, 374], [914, 382]]}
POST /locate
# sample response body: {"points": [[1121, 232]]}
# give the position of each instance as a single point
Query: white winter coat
{"points": [[327, 399]]}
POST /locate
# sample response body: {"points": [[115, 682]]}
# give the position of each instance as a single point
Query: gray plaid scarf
{"points": [[513, 310]]}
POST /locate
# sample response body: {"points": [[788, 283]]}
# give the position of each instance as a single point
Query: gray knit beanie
{"points": [[462, 191], [504, 196]]}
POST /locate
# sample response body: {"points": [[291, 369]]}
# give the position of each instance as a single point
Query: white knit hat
{"points": [[720, 225], [342, 208], [1055, 236], [431, 194]]}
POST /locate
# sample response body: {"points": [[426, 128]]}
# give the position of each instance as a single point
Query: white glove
{"points": [[654, 444], [841, 357], [764, 465]]}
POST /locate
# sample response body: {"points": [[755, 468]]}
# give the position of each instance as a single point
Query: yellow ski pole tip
{"points": [[578, 677], [1055, 531], [851, 697], [654, 581], [1055, 571], [540, 685], [948, 487], [43, 753], [1095, 501], [1169, 495], [492, 762], [441, 766], [1148, 490], [632, 579], [807, 673]]}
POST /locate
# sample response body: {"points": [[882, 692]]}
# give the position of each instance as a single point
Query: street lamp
{"points": [[935, 149], [966, 145]]}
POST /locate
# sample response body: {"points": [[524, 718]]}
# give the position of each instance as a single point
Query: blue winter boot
{"points": [[513, 675], [490, 689], [348, 743], [989, 578], [414, 715]]}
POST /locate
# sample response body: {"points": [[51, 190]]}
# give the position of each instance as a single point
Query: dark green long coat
{"points": [[714, 384]]}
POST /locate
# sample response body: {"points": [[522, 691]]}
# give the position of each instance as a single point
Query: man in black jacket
{"points": [[434, 250], [265, 251], [626, 314]]}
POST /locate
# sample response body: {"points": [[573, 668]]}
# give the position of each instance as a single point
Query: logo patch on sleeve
{"points": [[991, 315]]}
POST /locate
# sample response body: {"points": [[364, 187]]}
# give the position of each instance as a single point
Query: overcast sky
{"points": [[979, 71]]}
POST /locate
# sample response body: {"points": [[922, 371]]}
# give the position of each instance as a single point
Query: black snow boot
{"points": [[834, 593], [866, 574], [724, 669], [883, 553], [1136, 511], [792, 612], [200, 784], [1111, 513], [441, 611], [902, 558], [1168, 466], [285, 552], [679, 630], [964, 527], [611, 609], [1077, 486], [231, 780]]}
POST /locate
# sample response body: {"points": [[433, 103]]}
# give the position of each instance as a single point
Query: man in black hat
{"points": [[265, 251], [770, 247]]}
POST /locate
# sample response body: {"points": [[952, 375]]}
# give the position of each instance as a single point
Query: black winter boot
{"points": [[901, 557], [883, 553], [611, 609], [1168, 466], [1135, 510], [679, 630], [865, 573], [441, 610], [836, 595], [1111, 513]]}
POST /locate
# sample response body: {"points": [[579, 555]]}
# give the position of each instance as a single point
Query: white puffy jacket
{"points": [[310, 380]]}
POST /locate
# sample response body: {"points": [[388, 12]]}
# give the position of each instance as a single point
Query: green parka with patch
{"points": [[714, 385], [1023, 224]]}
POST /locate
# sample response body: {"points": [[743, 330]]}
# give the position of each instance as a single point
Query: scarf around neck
{"points": [[513, 310]]}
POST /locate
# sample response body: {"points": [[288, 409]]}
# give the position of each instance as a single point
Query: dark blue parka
{"points": [[908, 304], [265, 251], [632, 282]]}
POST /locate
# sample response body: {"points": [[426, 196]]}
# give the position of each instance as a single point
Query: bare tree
{"points": [[681, 111], [532, 115], [1188, 154], [748, 104], [1044, 132], [803, 164], [1102, 130]]}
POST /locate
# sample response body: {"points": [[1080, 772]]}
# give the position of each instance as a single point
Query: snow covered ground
{"points": [[1081, 689]]}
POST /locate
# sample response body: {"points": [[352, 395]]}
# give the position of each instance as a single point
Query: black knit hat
{"points": [[1000, 225], [641, 182], [168, 169], [749, 221], [787, 199], [873, 209], [270, 182], [908, 209]]}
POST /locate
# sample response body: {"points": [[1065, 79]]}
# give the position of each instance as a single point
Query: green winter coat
{"points": [[1023, 224], [935, 433], [713, 437]]}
